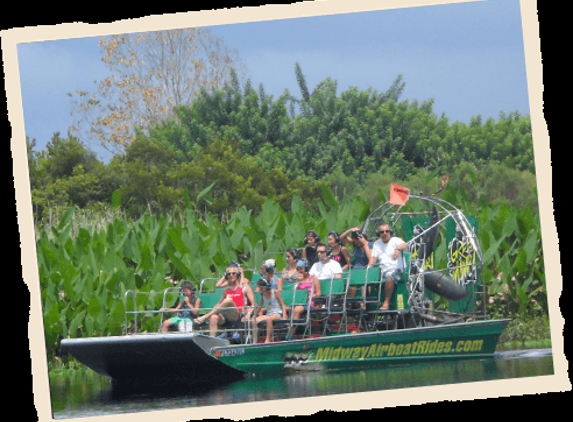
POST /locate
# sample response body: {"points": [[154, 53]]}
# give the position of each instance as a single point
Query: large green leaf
{"points": [[205, 192], [328, 196], [76, 323], [492, 250], [180, 265], [67, 218], [510, 223], [147, 258], [521, 264], [116, 198], [94, 307], [89, 326], [521, 294], [530, 246]]}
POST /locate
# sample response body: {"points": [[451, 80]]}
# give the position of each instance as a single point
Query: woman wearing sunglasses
{"points": [[237, 302]]}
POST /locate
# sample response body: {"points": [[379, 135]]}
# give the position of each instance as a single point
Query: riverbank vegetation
{"points": [[237, 175]]}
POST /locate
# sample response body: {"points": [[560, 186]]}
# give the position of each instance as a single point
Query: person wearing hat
{"points": [[188, 303], [268, 269], [270, 308]]}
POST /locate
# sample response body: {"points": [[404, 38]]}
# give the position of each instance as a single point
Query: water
{"points": [[85, 394]]}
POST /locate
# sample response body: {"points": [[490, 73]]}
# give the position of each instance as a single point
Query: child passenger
{"points": [[268, 269], [270, 308], [188, 302]]}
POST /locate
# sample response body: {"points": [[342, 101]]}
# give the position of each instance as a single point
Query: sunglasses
{"points": [[228, 274], [385, 231], [321, 251]]}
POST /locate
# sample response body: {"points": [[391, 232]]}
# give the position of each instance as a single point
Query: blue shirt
{"points": [[360, 258]]}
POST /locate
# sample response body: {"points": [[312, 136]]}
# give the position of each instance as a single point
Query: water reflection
{"points": [[77, 397]]}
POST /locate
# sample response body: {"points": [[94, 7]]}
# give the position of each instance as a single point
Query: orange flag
{"points": [[399, 195]]}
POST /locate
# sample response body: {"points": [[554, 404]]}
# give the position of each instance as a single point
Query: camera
{"points": [[356, 234]]}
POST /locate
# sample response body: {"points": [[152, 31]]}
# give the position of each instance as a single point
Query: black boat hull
{"points": [[157, 358]]}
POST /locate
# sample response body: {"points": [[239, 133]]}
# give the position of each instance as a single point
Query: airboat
{"points": [[438, 312]]}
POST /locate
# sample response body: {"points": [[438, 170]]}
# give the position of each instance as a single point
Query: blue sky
{"points": [[467, 57]]}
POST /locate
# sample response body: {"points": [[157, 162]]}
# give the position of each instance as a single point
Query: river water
{"points": [[85, 394]]}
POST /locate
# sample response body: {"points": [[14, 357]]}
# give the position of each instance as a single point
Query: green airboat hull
{"points": [[198, 358], [359, 350]]}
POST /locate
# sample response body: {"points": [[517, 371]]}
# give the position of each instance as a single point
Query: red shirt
{"points": [[237, 296]]}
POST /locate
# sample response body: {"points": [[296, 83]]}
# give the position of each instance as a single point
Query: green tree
{"points": [[143, 171], [65, 173]]}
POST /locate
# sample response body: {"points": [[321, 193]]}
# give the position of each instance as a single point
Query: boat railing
{"points": [[139, 311], [344, 304], [205, 284], [294, 297]]}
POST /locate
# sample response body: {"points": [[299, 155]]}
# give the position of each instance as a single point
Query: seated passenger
{"points": [[361, 252], [311, 239], [271, 307], [289, 273], [325, 268], [362, 247], [307, 282], [268, 273], [338, 252], [387, 250], [188, 302], [223, 281], [232, 306]]}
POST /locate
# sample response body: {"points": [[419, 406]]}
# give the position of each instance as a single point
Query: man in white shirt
{"points": [[325, 268], [386, 251]]}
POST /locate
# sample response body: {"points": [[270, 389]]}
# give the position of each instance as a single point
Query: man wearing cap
{"points": [[325, 268], [387, 249]]}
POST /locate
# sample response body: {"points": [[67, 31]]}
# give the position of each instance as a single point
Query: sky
{"points": [[467, 57]]}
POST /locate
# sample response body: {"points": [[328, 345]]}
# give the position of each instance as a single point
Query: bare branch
{"points": [[150, 74]]}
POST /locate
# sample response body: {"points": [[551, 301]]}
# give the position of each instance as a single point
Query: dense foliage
{"points": [[242, 145]]}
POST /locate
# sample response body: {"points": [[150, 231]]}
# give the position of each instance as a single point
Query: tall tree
{"points": [[149, 74]]}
